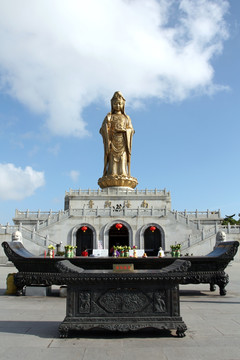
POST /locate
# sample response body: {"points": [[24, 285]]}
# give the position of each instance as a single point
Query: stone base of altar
{"points": [[145, 299]]}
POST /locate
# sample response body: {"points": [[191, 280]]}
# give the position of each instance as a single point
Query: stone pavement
{"points": [[29, 329]]}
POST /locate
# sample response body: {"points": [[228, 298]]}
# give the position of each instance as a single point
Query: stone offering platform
{"points": [[207, 269]]}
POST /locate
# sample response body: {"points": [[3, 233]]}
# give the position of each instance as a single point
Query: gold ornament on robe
{"points": [[117, 132]]}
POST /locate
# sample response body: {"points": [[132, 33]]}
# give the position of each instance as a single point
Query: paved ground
{"points": [[29, 329]]}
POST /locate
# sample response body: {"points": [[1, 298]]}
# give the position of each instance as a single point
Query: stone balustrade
{"points": [[116, 191]]}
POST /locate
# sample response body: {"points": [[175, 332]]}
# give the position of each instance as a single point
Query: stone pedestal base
{"points": [[117, 180], [123, 302]]}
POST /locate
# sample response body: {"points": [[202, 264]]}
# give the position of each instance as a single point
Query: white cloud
{"points": [[17, 183], [58, 57], [74, 175]]}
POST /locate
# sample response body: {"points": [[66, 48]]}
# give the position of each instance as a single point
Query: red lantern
{"points": [[118, 226], [84, 228], [152, 228]]}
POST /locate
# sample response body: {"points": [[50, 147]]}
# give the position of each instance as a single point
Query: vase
{"points": [[115, 253], [68, 253], [126, 253], [122, 253], [51, 253], [177, 253], [173, 253], [134, 253]]}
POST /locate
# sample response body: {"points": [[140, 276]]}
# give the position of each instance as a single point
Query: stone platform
{"points": [[29, 328]]}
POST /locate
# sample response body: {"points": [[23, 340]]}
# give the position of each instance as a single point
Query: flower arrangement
{"points": [[176, 250], [69, 250], [122, 251], [51, 249]]}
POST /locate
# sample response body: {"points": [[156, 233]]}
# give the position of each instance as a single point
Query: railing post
{"points": [[46, 240]]}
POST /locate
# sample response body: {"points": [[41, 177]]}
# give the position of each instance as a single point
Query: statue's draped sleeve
{"points": [[104, 131], [129, 134]]}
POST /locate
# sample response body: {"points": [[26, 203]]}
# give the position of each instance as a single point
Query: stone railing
{"points": [[35, 214], [208, 233], [27, 234], [200, 214], [116, 191]]}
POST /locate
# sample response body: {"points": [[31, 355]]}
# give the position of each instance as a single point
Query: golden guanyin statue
{"points": [[117, 132]]}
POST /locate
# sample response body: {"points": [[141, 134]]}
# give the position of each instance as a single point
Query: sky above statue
{"points": [[177, 65]]}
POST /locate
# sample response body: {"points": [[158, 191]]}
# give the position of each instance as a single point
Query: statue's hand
{"points": [[120, 128]]}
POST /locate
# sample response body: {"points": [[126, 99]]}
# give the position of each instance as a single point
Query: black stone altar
{"points": [[102, 299], [204, 269]]}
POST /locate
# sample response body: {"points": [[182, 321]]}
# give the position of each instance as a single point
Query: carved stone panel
{"points": [[120, 301]]}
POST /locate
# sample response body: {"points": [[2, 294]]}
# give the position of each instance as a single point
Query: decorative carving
{"points": [[83, 302], [122, 301], [159, 304], [90, 204], [127, 203], [107, 204], [118, 208], [144, 204]]}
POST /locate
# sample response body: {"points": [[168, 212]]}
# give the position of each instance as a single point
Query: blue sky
{"points": [[176, 63]]}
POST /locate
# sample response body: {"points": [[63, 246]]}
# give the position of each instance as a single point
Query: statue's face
{"points": [[17, 236], [117, 106]]}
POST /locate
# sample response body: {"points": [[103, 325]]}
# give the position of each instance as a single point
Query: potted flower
{"points": [[121, 250], [126, 251], [175, 250], [172, 250], [51, 249], [69, 251], [115, 251]]}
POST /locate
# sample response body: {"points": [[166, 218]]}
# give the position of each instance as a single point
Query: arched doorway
{"points": [[118, 237], [84, 240], [152, 241]]}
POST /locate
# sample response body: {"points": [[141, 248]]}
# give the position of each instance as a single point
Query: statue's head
{"points": [[17, 236], [221, 236], [118, 101]]}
